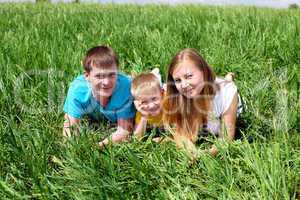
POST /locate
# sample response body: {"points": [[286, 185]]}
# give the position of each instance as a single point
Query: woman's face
{"points": [[188, 79]]}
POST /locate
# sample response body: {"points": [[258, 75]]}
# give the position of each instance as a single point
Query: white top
{"points": [[221, 103]]}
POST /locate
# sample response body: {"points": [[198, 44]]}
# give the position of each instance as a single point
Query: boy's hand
{"points": [[140, 108]]}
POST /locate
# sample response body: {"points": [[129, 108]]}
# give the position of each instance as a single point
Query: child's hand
{"points": [[140, 108]]}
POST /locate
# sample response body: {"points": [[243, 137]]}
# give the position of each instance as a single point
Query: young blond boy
{"points": [[148, 94]]}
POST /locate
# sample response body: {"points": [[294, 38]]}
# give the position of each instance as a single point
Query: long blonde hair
{"points": [[185, 114]]}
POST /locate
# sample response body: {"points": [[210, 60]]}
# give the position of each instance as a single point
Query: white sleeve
{"points": [[228, 92]]}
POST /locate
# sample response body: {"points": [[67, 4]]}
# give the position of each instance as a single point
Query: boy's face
{"points": [[149, 103], [102, 80]]}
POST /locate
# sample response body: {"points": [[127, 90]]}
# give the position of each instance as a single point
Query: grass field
{"points": [[40, 51]]}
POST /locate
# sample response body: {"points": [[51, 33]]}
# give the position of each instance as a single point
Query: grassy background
{"points": [[40, 51]]}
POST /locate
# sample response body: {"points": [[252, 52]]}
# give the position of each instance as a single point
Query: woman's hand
{"points": [[229, 76]]}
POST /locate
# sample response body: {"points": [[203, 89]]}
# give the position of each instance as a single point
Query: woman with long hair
{"points": [[197, 102]]}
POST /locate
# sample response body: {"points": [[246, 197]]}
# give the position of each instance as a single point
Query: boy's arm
{"points": [[140, 128], [70, 121], [123, 131]]}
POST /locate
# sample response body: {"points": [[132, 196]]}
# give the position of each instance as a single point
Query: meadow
{"points": [[41, 47]]}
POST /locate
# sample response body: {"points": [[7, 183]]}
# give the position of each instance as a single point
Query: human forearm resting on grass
{"points": [[123, 131], [186, 143], [228, 124], [70, 123], [140, 128]]}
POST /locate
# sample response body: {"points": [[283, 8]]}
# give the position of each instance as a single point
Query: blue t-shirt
{"points": [[80, 101]]}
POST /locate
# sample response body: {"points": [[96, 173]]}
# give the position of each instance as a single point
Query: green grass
{"points": [[40, 51]]}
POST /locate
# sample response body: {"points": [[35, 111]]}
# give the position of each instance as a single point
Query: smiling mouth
{"points": [[105, 91], [153, 110], [188, 91], [153, 113]]}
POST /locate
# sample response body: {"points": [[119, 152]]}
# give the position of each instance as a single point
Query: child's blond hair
{"points": [[144, 84]]}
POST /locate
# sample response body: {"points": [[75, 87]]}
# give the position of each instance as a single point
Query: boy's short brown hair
{"points": [[144, 82], [100, 56]]}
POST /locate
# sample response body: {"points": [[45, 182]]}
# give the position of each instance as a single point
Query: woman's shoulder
{"points": [[225, 86], [224, 96]]}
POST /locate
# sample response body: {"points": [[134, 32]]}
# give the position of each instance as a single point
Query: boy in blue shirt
{"points": [[100, 92]]}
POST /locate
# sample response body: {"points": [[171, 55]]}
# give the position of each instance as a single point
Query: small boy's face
{"points": [[149, 103], [102, 80]]}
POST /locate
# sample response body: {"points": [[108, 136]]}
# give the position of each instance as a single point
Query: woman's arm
{"points": [[186, 143], [228, 121]]}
